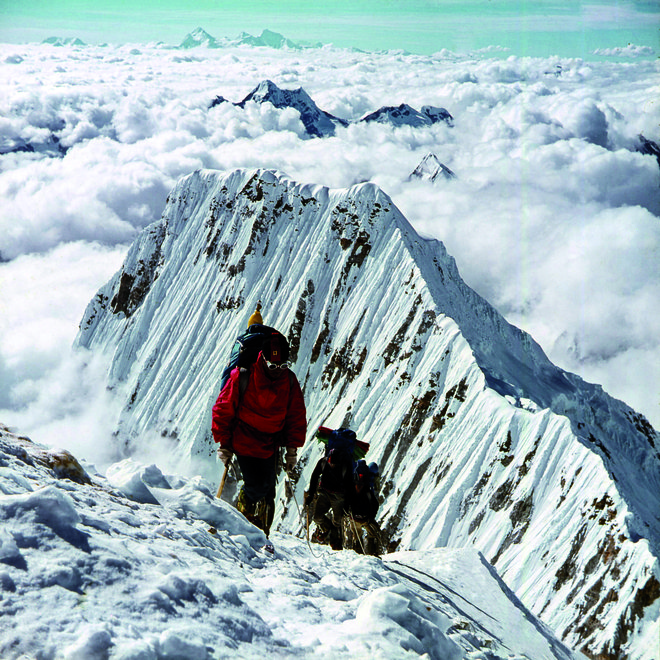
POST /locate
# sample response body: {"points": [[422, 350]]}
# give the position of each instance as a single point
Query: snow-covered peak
{"points": [[648, 147], [320, 123], [317, 122], [481, 441], [64, 41], [267, 38], [436, 114], [405, 115], [431, 169], [90, 570], [199, 38]]}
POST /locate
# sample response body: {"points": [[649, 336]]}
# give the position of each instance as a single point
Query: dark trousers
{"points": [[325, 503], [328, 509], [355, 532], [259, 477]]}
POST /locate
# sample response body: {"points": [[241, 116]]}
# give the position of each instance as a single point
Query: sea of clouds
{"points": [[553, 215]]}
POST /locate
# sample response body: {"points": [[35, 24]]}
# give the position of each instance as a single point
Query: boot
{"points": [[322, 532], [372, 547], [335, 538], [319, 536], [247, 508], [264, 512]]}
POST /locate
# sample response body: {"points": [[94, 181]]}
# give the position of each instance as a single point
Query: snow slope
{"points": [[88, 572], [481, 440]]}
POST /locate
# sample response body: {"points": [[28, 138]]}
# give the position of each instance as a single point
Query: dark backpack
{"points": [[342, 440], [364, 503], [247, 347], [367, 474]]}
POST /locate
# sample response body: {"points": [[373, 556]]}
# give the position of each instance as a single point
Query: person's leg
{"points": [[336, 533], [372, 544], [258, 477], [337, 502], [320, 508], [256, 500], [348, 534]]}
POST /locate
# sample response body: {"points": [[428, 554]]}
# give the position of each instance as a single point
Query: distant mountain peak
{"points": [[199, 38], [405, 115], [431, 169], [64, 41], [317, 122], [648, 147], [267, 38], [436, 114]]}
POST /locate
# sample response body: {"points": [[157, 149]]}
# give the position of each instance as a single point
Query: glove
{"points": [[307, 499], [290, 458], [225, 455]]}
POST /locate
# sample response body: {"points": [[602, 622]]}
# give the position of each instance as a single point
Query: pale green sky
{"points": [[534, 27]]}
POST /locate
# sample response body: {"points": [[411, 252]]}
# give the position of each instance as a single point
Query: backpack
{"points": [[342, 440], [247, 347], [367, 474], [364, 503]]}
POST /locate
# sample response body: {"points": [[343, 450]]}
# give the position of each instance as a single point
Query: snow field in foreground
{"points": [[86, 571]]}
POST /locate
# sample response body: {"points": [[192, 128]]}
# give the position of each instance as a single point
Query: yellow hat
{"points": [[256, 316]]}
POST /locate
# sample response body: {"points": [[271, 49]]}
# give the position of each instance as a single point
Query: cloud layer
{"points": [[552, 216]]}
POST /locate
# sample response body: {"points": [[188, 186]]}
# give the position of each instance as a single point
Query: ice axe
{"points": [[213, 530], [221, 487]]}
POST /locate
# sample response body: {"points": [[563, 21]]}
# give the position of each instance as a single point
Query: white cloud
{"points": [[550, 216], [45, 388], [631, 50]]}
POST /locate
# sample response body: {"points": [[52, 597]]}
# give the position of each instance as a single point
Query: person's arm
{"points": [[295, 425], [314, 482], [373, 505], [224, 411]]}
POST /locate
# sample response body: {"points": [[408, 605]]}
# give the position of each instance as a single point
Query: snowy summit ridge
{"points": [[481, 441], [111, 577]]}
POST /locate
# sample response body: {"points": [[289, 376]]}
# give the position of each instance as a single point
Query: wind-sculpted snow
{"points": [[91, 571], [481, 441]]}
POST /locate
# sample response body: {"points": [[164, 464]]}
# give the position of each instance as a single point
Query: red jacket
{"points": [[271, 413]]}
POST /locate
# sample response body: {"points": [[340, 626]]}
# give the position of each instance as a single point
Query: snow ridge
{"points": [[184, 577], [480, 439]]}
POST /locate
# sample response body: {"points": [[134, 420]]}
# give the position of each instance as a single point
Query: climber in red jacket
{"points": [[259, 410]]}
